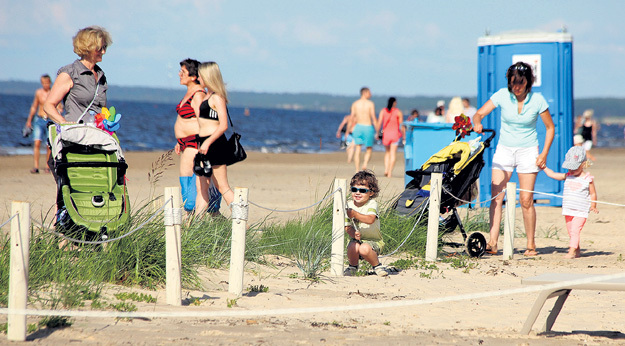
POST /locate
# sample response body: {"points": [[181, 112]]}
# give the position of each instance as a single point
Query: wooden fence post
{"points": [[508, 227], [173, 253], [338, 228], [237, 253], [18, 275], [431, 247]]}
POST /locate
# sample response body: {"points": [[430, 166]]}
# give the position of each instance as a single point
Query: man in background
{"points": [[38, 123], [468, 109], [363, 127]]}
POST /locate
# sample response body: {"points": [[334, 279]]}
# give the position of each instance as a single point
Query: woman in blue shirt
{"points": [[517, 147]]}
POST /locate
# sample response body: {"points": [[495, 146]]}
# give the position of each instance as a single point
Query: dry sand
{"points": [[288, 181]]}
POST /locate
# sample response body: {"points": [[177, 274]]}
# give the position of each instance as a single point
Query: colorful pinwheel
{"points": [[462, 125], [108, 120]]}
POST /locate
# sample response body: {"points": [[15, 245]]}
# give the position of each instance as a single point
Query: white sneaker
{"points": [[380, 270]]}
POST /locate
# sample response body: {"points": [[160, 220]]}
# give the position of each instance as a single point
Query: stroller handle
{"points": [[490, 138]]}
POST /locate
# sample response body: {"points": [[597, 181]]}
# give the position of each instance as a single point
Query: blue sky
{"points": [[401, 48]]}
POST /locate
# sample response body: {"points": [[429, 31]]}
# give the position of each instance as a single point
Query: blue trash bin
{"points": [[424, 140]]}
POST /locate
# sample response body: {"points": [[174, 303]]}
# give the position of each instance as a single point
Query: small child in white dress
{"points": [[579, 196]]}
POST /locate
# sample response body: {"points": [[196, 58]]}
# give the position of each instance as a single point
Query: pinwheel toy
{"points": [[462, 125]]}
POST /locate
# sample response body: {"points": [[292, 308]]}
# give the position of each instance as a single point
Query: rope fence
{"points": [[298, 209], [577, 199], [9, 220], [172, 211], [312, 310], [99, 242]]}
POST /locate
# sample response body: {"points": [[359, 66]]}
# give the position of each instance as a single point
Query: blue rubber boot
{"points": [[188, 192], [214, 200]]}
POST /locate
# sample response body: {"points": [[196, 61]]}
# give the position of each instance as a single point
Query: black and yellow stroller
{"points": [[90, 170], [461, 164]]}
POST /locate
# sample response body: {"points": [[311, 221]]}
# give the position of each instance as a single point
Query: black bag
{"points": [[234, 146]]}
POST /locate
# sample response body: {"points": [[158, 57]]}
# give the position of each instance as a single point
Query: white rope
{"points": [[172, 216], [239, 211], [108, 240], [9, 220], [479, 202], [293, 210], [409, 234], [310, 310], [579, 199]]}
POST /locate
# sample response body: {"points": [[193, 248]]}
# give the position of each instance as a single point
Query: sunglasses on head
{"points": [[520, 68], [361, 190]]}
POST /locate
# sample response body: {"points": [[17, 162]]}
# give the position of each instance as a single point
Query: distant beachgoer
{"points": [[347, 141], [579, 197], [468, 109], [517, 147], [588, 128], [414, 115], [363, 224], [437, 116], [186, 130], [455, 109], [38, 124], [213, 120], [390, 120], [363, 127]]}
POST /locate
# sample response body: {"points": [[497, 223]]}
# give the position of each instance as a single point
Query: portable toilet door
{"points": [[551, 58]]}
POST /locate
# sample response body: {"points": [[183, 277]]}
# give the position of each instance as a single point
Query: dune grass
{"points": [[68, 277]]}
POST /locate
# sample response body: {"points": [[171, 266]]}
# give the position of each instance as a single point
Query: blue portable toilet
{"points": [[551, 57]]}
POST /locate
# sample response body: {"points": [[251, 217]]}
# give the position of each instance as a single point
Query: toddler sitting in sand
{"points": [[363, 224], [579, 195]]}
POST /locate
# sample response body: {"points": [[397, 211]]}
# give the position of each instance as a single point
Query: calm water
{"points": [[149, 126]]}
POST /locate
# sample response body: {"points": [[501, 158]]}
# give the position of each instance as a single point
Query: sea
{"points": [[148, 126]]}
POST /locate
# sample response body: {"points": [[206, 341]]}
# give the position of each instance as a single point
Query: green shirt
{"points": [[368, 232]]}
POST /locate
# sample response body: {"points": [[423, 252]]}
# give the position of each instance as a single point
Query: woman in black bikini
{"points": [[213, 120]]}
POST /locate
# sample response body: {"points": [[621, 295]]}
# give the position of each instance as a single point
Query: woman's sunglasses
{"points": [[361, 190], [520, 68]]}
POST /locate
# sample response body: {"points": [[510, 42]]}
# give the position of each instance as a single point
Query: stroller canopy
{"points": [[85, 135], [455, 149]]}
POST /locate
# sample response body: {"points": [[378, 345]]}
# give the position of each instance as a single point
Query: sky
{"points": [[400, 48]]}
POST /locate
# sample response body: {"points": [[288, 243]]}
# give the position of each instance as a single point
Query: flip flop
{"points": [[34, 171], [530, 253], [489, 249]]}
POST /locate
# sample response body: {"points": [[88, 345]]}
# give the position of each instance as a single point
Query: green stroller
{"points": [[89, 166]]}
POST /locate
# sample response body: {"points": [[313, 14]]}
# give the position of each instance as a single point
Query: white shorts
{"points": [[509, 158], [587, 145]]}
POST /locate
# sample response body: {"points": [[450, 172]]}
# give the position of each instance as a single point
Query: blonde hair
{"points": [[211, 77], [90, 39], [455, 106]]}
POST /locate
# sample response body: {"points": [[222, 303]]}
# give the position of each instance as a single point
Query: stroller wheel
{"points": [[476, 244]]}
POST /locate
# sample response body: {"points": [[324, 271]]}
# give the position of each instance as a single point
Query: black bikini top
{"points": [[207, 112]]}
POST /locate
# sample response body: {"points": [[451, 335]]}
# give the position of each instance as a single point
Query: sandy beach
{"points": [[288, 181]]}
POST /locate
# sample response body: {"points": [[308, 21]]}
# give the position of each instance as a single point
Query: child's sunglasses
{"points": [[361, 190]]}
